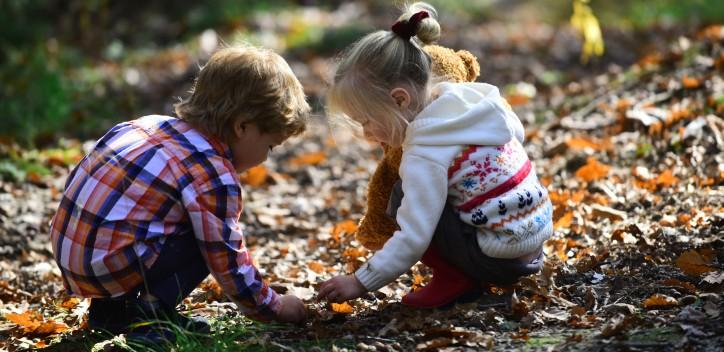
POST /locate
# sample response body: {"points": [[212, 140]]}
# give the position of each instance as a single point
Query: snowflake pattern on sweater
{"points": [[495, 189]]}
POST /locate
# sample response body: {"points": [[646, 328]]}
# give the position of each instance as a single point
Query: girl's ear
{"points": [[401, 97]]}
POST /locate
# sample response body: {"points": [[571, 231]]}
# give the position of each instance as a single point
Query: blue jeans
{"points": [[179, 269]]}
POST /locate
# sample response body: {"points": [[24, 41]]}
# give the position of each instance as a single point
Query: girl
{"points": [[473, 209]]}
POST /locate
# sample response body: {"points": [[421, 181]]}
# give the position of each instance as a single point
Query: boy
{"points": [[154, 207]]}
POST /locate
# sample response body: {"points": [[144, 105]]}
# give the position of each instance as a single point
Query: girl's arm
{"points": [[424, 184]]}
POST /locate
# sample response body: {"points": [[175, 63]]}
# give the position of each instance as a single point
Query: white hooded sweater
{"points": [[464, 148]]}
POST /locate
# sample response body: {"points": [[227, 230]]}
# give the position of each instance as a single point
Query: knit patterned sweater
{"points": [[464, 148]]}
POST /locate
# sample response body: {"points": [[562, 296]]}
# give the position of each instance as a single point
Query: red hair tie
{"points": [[408, 29]]}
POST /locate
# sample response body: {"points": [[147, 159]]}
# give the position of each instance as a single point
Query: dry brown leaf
{"points": [[657, 301], [694, 263], [255, 177], [70, 303], [315, 158], [592, 171], [343, 308], [317, 267], [34, 324], [678, 283]]}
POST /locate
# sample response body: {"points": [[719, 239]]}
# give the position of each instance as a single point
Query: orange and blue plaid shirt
{"points": [[145, 181]]}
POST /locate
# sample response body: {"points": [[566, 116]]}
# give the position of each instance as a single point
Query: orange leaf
{"points": [[309, 159], [666, 179], [658, 301], [690, 82], [33, 323], [593, 170], [354, 253], [343, 308], [255, 177], [317, 267], [70, 303], [565, 221], [344, 227], [581, 143], [694, 263]]}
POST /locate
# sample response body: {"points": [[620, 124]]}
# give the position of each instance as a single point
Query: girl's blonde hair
{"points": [[245, 84], [379, 62]]}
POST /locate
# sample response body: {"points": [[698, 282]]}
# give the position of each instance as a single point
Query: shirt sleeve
{"points": [[424, 185], [214, 215]]}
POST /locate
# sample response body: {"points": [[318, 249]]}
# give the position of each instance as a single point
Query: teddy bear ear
{"points": [[471, 62]]}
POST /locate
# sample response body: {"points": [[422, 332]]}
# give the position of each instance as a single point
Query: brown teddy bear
{"points": [[376, 226]]}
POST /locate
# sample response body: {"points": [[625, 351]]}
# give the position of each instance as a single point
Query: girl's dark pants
{"points": [[457, 243]]}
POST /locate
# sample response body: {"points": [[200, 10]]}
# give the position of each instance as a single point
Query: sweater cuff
{"points": [[370, 279]]}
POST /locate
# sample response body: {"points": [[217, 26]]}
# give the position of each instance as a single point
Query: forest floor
{"points": [[632, 155]]}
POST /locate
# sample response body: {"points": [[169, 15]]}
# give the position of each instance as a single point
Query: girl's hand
{"points": [[292, 310], [341, 288]]}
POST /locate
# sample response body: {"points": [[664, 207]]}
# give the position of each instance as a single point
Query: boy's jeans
{"points": [[179, 269]]}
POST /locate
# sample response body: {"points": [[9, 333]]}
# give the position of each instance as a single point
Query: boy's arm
{"points": [[214, 215]]}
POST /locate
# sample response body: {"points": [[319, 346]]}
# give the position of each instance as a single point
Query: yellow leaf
{"points": [[694, 263], [255, 177], [309, 159], [658, 301], [586, 23], [343, 308]]}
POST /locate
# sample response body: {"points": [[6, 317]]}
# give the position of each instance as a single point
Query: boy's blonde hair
{"points": [[245, 84], [379, 62]]}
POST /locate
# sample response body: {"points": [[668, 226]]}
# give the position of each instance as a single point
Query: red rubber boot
{"points": [[447, 284]]}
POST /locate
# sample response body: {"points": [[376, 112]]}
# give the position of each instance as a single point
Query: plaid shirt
{"points": [[144, 181]]}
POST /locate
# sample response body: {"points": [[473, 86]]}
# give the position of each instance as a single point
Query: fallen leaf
{"points": [[658, 301], [714, 278], [615, 326], [34, 324], [694, 263], [317, 267], [255, 177], [70, 303], [309, 159], [347, 227], [565, 221], [343, 308], [592, 171]]}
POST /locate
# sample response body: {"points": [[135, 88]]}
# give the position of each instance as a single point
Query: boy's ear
{"points": [[401, 97], [239, 129]]}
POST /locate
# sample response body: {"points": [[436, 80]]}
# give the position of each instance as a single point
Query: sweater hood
{"points": [[465, 114]]}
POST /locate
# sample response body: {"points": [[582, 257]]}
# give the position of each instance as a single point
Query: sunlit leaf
{"points": [[343, 308], [255, 177], [658, 301], [309, 159], [317, 267], [34, 324], [592, 171]]}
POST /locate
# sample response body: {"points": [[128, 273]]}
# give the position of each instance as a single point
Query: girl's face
{"points": [[375, 130]]}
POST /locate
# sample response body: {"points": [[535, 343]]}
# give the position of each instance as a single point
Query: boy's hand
{"points": [[292, 310], [341, 288]]}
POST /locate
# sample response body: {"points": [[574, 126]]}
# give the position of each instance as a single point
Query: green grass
{"points": [[228, 334]]}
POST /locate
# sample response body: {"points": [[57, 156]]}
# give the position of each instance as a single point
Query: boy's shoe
{"points": [[448, 283], [108, 315], [153, 323]]}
